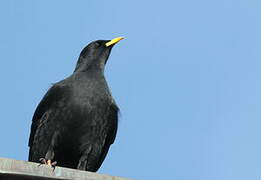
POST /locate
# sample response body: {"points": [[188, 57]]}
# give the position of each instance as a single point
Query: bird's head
{"points": [[95, 55]]}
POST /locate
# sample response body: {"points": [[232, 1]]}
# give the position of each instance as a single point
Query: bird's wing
{"points": [[112, 115], [52, 96]]}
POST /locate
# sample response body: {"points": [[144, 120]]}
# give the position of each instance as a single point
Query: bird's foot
{"points": [[47, 162]]}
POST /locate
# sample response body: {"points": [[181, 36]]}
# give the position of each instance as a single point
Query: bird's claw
{"points": [[47, 162], [42, 161], [53, 164]]}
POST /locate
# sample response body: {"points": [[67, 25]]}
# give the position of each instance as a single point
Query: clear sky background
{"points": [[187, 80]]}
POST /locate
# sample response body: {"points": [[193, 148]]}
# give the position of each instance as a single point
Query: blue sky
{"points": [[187, 80]]}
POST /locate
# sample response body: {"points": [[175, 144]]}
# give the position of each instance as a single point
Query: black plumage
{"points": [[76, 121]]}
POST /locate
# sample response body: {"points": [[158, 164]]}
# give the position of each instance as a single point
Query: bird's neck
{"points": [[84, 66]]}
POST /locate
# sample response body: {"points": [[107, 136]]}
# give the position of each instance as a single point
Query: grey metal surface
{"points": [[22, 170]]}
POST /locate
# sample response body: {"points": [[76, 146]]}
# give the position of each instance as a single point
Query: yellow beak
{"points": [[113, 41]]}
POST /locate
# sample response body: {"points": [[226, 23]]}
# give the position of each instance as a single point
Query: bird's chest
{"points": [[91, 92], [92, 100], [90, 107], [89, 119]]}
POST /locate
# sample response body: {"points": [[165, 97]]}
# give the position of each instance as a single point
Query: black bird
{"points": [[76, 121]]}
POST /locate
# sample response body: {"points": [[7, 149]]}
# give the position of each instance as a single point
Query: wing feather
{"points": [[52, 96]]}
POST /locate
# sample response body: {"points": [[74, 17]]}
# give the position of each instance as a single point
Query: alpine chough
{"points": [[76, 121]]}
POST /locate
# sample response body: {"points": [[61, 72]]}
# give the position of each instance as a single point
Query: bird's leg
{"points": [[50, 163], [82, 165], [47, 160], [49, 156], [42, 161]]}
